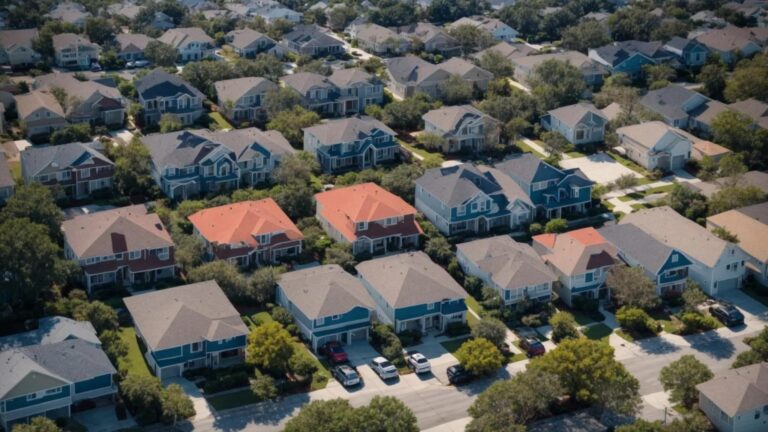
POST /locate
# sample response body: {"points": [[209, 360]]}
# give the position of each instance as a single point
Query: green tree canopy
{"points": [[563, 326], [225, 274], [290, 124], [631, 287], [681, 377], [36, 203], [270, 347], [556, 83], [479, 356]]}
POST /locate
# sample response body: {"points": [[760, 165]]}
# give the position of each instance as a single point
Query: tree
{"points": [[658, 73], [143, 394], [176, 404], [556, 83], [563, 326], [188, 252], [169, 123], [471, 38], [444, 11], [296, 167], [282, 99], [749, 80], [79, 132], [386, 414], [225, 274], [731, 197], [400, 180], [438, 249], [693, 296], [341, 255], [102, 316], [515, 128], [492, 330], [632, 23], [340, 16], [263, 387], [588, 371], [99, 30], [270, 347], [732, 167], [713, 76], [584, 35], [35, 202], [681, 377], [733, 130], [160, 54], [37, 424], [555, 143], [263, 282], [516, 401], [324, 415], [290, 124], [724, 234], [394, 14], [295, 199], [495, 63], [635, 320], [479, 356], [113, 344], [132, 168], [455, 90], [687, 202], [302, 364], [631, 287]]}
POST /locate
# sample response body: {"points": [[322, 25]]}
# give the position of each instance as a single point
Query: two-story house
{"points": [[591, 71], [513, 269], [7, 183], [74, 170], [718, 266], [495, 27], [688, 52], [39, 114], [344, 92], [74, 51], [131, 46], [191, 43], [735, 400], [16, 48], [579, 123], [70, 12], [162, 93], [580, 259], [683, 108], [351, 143], [48, 370], [656, 145], [188, 327], [475, 199], [91, 102], [463, 128], [380, 40], [312, 41], [411, 74], [371, 219], [667, 267], [413, 293], [431, 38], [247, 233], [749, 225], [242, 99], [553, 191], [732, 43], [327, 303], [248, 42], [124, 246], [629, 57]]}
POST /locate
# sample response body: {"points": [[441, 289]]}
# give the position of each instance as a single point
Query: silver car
{"points": [[383, 368], [418, 363]]}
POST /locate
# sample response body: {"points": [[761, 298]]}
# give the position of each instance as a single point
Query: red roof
{"points": [[586, 236], [368, 202], [240, 223]]}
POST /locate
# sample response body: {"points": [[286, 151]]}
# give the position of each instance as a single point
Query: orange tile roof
{"points": [[367, 202], [586, 236], [547, 240], [240, 223]]}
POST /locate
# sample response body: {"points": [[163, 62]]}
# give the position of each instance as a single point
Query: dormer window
{"points": [[362, 226]]}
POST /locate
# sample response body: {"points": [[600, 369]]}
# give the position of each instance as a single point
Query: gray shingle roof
{"points": [[451, 118], [28, 103], [347, 129], [234, 89], [160, 83], [65, 40], [183, 35], [617, 52], [346, 77], [650, 253], [411, 69], [668, 101], [324, 291], [303, 81], [185, 314], [571, 115], [136, 40], [36, 159], [51, 330], [17, 38], [242, 38], [738, 390], [409, 279]]}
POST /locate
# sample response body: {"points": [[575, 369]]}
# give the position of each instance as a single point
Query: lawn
{"points": [[643, 194], [575, 154], [218, 121], [426, 154], [233, 400], [641, 206], [665, 319], [15, 168], [528, 149], [581, 318], [626, 336], [598, 332], [629, 164], [134, 360], [452, 345], [473, 304]]}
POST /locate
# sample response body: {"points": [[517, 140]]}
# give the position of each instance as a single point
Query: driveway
{"points": [[103, 419], [202, 409], [599, 167]]}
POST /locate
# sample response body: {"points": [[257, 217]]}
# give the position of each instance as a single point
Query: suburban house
{"points": [[553, 191], [198, 162], [242, 99], [162, 93], [750, 226], [327, 303], [580, 259], [131, 46], [191, 43], [683, 108], [16, 47], [124, 246], [247, 233], [665, 266], [188, 327], [474, 199], [591, 70], [463, 128], [758, 179], [410, 75], [735, 400], [380, 40], [755, 109], [39, 114], [688, 52], [74, 51], [732, 42], [468, 71], [90, 102], [513, 269], [413, 293], [70, 12], [7, 183], [629, 57], [311, 40], [74, 170], [579, 123], [248, 42], [48, 370], [655, 145], [352, 143], [718, 266], [507, 50], [494, 26], [433, 38], [344, 92], [368, 217]]}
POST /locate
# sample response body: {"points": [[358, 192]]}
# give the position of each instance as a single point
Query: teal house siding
{"points": [[670, 264], [453, 307], [224, 345], [346, 328], [417, 311], [356, 314], [95, 383], [186, 355], [22, 402]]}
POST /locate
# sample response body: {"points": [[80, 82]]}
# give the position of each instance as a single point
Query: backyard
{"points": [[134, 360]]}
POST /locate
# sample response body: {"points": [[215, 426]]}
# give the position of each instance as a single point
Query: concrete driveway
{"points": [[103, 419], [755, 313], [202, 409], [599, 167]]}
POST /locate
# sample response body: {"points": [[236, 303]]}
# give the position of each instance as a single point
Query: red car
{"points": [[334, 352], [532, 346]]}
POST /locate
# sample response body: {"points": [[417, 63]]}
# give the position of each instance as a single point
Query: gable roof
{"points": [[650, 253], [242, 38], [160, 83], [510, 264], [455, 185], [528, 168], [452, 118], [82, 90], [648, 134], [28, 103], [347, 129], [303, 81], [757, 110], [575, 58], [324, 291], [508, 50], [732, 38], [185, 314], [739, 390], [571, 115], [241, 223], [618, 52], [22, 38], [136, 40], [51, 330], [308, 35], [177, 37], [464, 68], [411, 69], [409, 279], [346, 77], [36, 159], [669, 101], [234, 89], [749, 225], [576, 252], [65, 40]]}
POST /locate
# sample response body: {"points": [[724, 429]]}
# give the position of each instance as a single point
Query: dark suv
{"points": [[727, 314], [531, 346], [457, 375]]}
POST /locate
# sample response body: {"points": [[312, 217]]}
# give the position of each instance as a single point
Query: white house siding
{"points": [[746, 421]]}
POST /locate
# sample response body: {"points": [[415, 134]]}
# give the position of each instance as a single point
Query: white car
{"points": [[418, 363], [141, 63], [383, 368]]}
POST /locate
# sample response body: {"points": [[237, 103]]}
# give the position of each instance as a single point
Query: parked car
{"points": [[383, 368], [95, 67], [141, 63], [347, 376], [532, 346], [418, 363], [727, 314], [334, 352], [457, 375]]}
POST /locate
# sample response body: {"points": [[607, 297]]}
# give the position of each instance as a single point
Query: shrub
{"points": [[492, 330], [385, 341], [532, 320], [456, 328], [535, 229], [281, 315], [563, 326], [302, 364], [694, 322], [635, 320], [479, 356], [589, 306], [409, 337], [224, 382]]}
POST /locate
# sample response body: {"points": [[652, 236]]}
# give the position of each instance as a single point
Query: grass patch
{"points": [[668, 324], [517, 357], [452, 345], [134, 360], [681, 409], [422, 152], [15, 168], [641, 206], [473, 304], [218, 121], [624, 335], [472, 319], [626, 198], [233, 400], [575, 154], [628, 163], [528, 149], [598, 332]]}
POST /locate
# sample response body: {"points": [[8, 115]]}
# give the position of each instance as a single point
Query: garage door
{"points": [[323, 339], [727, 284], [170, 372], [678, 162], [359, 334]]}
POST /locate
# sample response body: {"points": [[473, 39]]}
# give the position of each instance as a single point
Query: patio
{"points": [[599, 168]]}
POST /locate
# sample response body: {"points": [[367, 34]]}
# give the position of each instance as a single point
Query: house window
{"points": [[430, 306], [674, 258], [84, 173], [223, 170], [134, 255], [579, 134], [461, 210], [588, 277], [65, 175], [336, 317], [196, 347], [320, 321]]}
